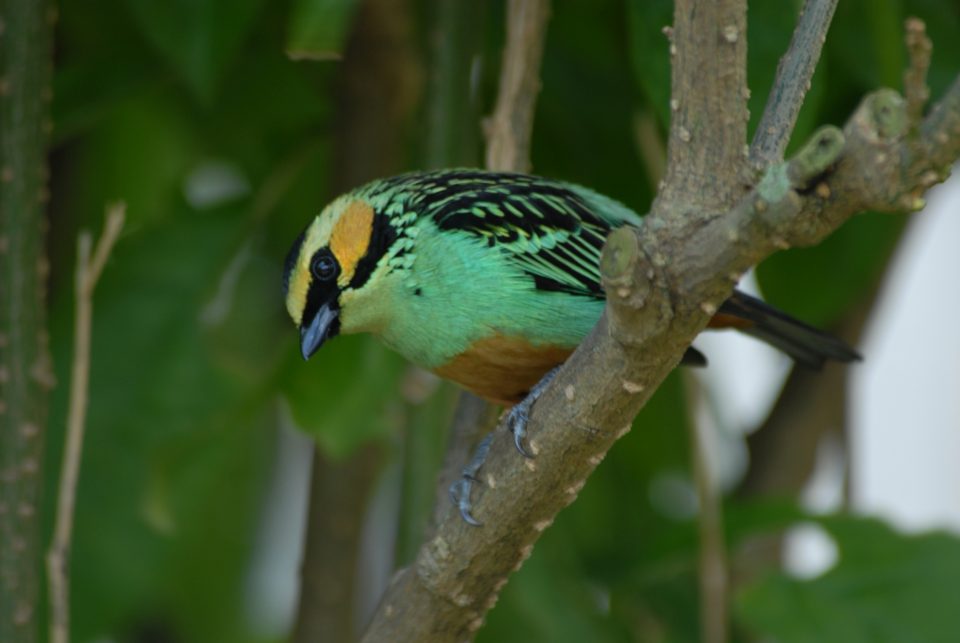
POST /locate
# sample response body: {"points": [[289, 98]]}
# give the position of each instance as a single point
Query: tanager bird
{"points": [[488, 279]]}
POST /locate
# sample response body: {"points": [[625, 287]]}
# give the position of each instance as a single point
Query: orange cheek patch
{"points": [[350, 238]]}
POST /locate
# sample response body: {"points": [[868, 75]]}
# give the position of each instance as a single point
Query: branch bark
{"points": [[87, 275], [706, 159], [26, 374], [792, 82]]}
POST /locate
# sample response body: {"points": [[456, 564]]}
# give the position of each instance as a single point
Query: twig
{"points": [[792, 82], [511, 124], [915, 88], [58, 557]]}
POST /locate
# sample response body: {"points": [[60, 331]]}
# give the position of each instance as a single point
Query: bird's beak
{"points": [[316, 330]]}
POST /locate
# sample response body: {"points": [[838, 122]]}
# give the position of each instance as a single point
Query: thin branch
{"points": [[915, 88], [792, 82], [705, 154], [58, 557], [511, 124]]}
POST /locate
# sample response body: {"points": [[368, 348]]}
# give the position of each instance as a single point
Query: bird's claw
{"points": [[460, 490], [460, 495], [517, 419]]}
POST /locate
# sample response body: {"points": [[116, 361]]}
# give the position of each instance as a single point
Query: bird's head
{"points": [[335, 256]]}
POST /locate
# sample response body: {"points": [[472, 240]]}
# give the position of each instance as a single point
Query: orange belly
{"points": [[502, 369]]}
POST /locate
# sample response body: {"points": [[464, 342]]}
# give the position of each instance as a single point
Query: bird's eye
{"points": [[324, 267]]}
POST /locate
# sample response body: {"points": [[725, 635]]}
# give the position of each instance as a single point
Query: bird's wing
{"points": [[552, 231]]}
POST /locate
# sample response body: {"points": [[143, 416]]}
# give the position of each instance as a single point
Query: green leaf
{"points": [[318, 28], [887, 587], [196, 37]]}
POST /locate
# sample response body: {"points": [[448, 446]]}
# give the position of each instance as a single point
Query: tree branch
{"points": [[792, 82], [654, 309], [511, 124], [705, 154], [26, 372], [88, 273]]}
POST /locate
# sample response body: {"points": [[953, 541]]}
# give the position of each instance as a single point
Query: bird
{"points": [[488, 279]]}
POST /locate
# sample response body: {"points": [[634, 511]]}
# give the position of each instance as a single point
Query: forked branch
{"points": [[88, 273]]}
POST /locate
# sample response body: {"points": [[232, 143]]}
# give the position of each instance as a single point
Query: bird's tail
{"points": [[804, 343]]}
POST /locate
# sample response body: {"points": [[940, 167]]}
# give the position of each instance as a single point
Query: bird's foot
{"points": [[519, 415], [460, 490], [517, 419]]}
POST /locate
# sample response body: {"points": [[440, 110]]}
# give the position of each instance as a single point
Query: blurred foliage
{"points": [[886, 588], [224, 148]]}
